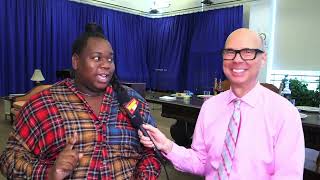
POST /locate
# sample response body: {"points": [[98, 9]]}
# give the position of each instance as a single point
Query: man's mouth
{"points": [[238, 70]]}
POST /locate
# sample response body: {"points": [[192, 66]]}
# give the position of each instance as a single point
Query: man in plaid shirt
{"points": [[76, 129]]}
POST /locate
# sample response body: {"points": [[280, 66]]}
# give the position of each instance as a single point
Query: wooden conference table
{"points": [[186, 113]]}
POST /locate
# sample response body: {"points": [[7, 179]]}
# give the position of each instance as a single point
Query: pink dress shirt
{"points": [[270, 142]]}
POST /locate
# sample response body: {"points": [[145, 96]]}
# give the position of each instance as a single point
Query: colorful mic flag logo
{"points": [[132, 106]]}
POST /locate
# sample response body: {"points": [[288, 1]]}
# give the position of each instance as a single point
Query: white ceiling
{"points": [[143, 7]]}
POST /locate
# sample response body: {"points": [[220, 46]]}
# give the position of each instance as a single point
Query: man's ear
{"points": [[263, 60], [75, 61]]}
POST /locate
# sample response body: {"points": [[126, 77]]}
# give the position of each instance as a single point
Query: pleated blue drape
{"points": [[172, 53]]}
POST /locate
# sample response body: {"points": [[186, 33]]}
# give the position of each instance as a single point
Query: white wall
{"points": [[295, 43], [261, 22], [297, 35]]}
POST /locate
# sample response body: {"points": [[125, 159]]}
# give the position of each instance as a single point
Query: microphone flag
{"points": [[131, 106]]}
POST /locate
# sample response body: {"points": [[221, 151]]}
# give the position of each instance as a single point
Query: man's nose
{"points": [[238, 58]]}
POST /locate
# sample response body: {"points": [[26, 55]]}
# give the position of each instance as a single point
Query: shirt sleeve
{"points": [[22, 155], [191, 160], [17, 161], [289, 148], [149, 166]]}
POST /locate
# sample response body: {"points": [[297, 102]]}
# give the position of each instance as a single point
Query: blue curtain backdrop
{"points": [[172, 53], [204, 59]]}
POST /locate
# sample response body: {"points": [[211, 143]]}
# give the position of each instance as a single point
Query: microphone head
{"points": [[123, 97], [132, 109], [131, 106]]}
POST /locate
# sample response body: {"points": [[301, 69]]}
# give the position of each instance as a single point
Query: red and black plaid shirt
{"points": [[108, 141]]}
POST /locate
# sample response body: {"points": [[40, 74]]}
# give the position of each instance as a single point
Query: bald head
{"points": [[243, 73], [244, 38]]}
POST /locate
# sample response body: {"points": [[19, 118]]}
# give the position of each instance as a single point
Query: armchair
{"points": [[140, 87], [225, 85], [19, 101]]}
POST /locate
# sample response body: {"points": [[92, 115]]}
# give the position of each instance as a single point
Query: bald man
{"points": [[247, 132]]}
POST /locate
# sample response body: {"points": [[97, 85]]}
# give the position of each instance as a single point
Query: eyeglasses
{"points": [[246, 54]]}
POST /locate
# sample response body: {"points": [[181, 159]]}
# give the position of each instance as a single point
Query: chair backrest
{"points": [[137, 86], [226, 85], [271, 87], [30, 93]]}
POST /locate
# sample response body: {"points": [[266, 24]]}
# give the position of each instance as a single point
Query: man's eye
{"points": [[110, 60], [229, 52], [248, 51]]}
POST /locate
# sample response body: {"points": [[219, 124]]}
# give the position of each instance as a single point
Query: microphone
{"points": [[132, 110], [131, 107]]}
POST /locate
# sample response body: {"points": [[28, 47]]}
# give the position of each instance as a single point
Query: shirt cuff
{"points": [[173, 153], [40, 171]]}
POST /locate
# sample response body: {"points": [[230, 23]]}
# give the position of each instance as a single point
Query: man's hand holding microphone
{"points": [[160, 140]]}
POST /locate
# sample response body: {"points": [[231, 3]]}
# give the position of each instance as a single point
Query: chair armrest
{"points": [[33, 91], [18, 104]]}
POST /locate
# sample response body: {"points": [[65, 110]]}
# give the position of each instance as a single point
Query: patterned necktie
{"points": [[230, 143]]}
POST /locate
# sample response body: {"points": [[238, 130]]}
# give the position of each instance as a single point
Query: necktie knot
{"points": [[237, 103]]}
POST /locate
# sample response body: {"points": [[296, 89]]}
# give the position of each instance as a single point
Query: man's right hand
{"points": [[66, 161], [161, 141]]}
